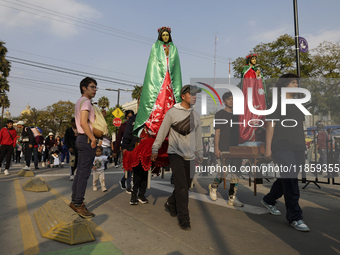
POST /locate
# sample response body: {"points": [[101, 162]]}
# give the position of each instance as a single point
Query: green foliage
{"points": [[327, 60], [278, 57], [103, 102], [5, 66], [55, 118], [109, 119], [137, 92]]}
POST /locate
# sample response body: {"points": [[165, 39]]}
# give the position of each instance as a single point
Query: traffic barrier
{"points": [[35, 185], [57, 221], [26, 173]]}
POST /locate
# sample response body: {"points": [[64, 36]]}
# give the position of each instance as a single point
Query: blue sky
{"points": [[121, 50]]}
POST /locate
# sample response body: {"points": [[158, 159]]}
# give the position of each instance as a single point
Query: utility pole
{"points": [[118, 90], [215, 58], [297, 47], [229, 70]]}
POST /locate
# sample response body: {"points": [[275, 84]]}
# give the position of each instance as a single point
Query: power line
{"points": [[69, 71], [192, 52], [74, 63]]}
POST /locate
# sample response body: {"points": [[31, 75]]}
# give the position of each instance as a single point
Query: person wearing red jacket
{"points": [[8, 140]]}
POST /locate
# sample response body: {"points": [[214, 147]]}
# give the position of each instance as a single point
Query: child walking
{"points": [[98, 169]]}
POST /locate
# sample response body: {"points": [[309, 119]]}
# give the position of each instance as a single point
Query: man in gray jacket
{"points": [[185, 142]]}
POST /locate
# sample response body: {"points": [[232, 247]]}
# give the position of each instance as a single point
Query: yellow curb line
{"points": [[29, 239], [97, 231]]}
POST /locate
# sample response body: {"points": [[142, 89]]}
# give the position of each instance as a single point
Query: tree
{"points": [[5, 68], [327, 60], [4, 103], [276, 58], [109, 119], [136, 93], [103, 102]]}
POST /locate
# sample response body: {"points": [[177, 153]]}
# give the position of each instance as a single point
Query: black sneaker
{"points": [[134, 200], [184, 224], [129, 190], [172, 210], [122, 185], [142, 199]]}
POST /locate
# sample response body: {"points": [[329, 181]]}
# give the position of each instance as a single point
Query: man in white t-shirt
{"points": [[86, 144]]}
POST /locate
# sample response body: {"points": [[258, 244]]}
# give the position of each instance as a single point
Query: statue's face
{"points": [[165, 36], [253, 60]]}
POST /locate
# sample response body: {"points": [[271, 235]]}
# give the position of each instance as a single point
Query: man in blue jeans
{"points": [[86, 144], [285, 143]]}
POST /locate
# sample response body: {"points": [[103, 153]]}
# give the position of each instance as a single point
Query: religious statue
{"points": [[162, 85], [161, 90], [251, 78]]}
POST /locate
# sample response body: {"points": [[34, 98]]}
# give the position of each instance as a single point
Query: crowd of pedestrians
{"points": [[181, 129]]}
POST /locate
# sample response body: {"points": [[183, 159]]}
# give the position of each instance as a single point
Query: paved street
{"points": [[216, 228]]}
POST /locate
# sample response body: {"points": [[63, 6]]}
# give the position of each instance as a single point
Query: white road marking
{"points": [[160, 185]]}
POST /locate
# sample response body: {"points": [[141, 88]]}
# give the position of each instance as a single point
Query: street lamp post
{"points": [[297, 47]]}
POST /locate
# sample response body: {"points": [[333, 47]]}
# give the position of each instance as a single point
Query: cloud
{"points": [[252, 23], [322, 35], [268, 36], [20, 16]]}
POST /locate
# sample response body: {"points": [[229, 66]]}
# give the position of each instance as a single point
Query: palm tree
{"points": [[4, 103], [5, 68], [103, 102], [136, 93]]}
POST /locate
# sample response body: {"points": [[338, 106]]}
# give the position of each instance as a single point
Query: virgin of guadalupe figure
{"points": [[251, 77], [161, 87], [161, 90]]}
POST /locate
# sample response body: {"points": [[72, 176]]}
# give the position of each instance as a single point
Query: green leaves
{"points": [[103, 102], [320, 71]]}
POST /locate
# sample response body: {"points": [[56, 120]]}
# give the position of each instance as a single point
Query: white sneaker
{"points": [[26, 168], [43, 164], [212, 193], [71, 177], [6, 172], [104, 189], [235, 202], [94, 188]]}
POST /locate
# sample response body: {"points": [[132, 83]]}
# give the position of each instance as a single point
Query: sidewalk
{"points": [[148, 229]]}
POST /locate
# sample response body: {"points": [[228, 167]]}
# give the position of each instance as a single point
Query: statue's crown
{"points": [[164, 28]]}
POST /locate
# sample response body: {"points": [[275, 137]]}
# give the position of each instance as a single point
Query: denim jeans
{"points": [[323, 156], [106, 152], [86, 156]]}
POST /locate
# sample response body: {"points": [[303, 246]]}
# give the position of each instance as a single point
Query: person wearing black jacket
{"points": [[29, 141], [140, 177], [70, 141], [115, 153]]}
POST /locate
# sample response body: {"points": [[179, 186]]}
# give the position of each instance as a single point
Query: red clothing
{"points": [[142, 154], [250, 80], [5, 137], [322, 140]]}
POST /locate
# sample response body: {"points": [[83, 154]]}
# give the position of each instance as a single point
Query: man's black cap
{"points": [[192, 89]]}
